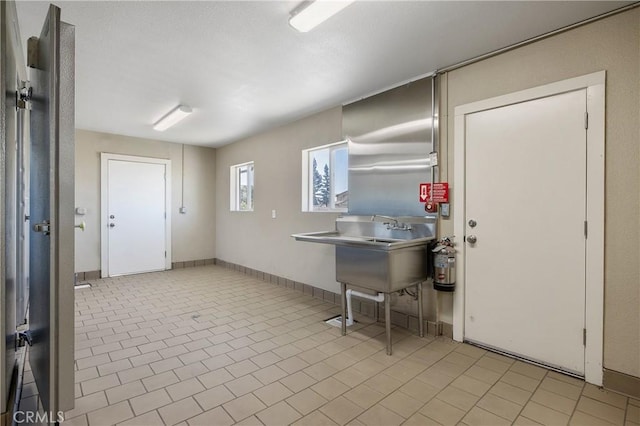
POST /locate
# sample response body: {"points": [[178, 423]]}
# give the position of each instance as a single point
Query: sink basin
{"points": [[379, 270]]}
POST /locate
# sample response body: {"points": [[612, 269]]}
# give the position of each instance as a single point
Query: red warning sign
{"points": [[440, 193]]}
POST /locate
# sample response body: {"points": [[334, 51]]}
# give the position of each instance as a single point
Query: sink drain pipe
{"points": [[377, 298]]}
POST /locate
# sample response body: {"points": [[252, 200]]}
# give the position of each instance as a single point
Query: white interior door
{"points": [[136, 222], [525, 190]]}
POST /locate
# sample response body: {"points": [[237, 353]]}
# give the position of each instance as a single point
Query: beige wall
{"points": [[612, 44], [254, 239], [193, 234]]}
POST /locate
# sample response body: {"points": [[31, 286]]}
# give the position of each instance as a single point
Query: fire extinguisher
{"points": [[444, 262]]}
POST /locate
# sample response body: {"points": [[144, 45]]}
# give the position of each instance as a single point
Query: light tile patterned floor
{"points": [[210, 346]]}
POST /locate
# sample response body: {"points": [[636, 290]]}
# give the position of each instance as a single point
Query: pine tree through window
{"points": [[326, 178]]}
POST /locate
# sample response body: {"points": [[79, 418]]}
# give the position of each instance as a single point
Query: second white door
{"points": [[525, 190], [136, 217]]}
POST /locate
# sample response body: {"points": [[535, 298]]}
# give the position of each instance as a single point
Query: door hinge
{"points": [[24, 337], [44, 227], [32, 52], [584, 337], [23, 98], [586, 120], [586, 228]]}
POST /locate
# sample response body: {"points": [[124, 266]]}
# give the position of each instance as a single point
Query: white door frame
{"points": [[104, 204], [594, 289]]}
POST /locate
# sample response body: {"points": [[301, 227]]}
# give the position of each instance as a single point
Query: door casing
{"points": [[594, 289], [104, 205]]}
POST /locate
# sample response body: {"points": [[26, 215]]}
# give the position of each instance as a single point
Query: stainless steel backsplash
{"points": [[389, 144]]}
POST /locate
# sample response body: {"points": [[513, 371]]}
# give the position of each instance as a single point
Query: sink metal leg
{"points": [[343, 298], [387, 320], [420, 310]]}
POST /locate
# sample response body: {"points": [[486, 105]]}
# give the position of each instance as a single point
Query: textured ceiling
{"points": [[243, 69]]}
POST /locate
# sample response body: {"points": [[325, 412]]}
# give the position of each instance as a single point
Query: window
{"points": [[325, 178], [241, 187]]}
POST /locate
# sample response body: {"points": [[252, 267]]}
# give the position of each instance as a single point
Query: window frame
{"points": [[234, 186], [307, 177]]}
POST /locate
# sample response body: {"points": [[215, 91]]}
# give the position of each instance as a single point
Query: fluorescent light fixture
{"points": [[173, 117], [312, 13]]}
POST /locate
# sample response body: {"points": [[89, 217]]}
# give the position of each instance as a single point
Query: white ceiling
{"points": [[243, 69]]}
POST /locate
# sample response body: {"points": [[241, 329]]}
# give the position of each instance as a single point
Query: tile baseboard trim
{"points": [[6, 418], [363, 307], [192, 263], [621, 383], [87, 275], [95, 275]]}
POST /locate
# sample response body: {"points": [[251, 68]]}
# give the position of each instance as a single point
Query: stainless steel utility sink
{"points": [[376, 255], [380, 256]]}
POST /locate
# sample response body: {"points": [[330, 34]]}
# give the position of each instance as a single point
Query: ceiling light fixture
{"points": [[173, 117], [312, 13]]}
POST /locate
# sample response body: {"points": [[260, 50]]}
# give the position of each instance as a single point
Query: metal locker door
{"points": [[51, 264]]}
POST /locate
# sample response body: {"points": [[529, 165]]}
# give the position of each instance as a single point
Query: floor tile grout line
{"points": [[605, 402], [400, 386], [499, 379], [575, 406], [530, 396], [449, 384], [576, 409], [180, 316]]}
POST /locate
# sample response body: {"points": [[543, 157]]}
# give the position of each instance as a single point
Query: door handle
{"points": [[471, 239], [82, 226], [111, 225]]}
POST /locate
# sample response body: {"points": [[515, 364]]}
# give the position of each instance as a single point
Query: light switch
{"points": [[273, 214], [433, 158], [444, 209]]}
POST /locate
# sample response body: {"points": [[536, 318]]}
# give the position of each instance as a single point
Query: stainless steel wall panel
{"points": [[389, 144]]}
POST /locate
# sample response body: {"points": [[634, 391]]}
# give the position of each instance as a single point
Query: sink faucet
{"points": [[385, 217], [395, 226]]}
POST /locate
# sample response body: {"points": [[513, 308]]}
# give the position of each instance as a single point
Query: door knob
{"points": [[111, 225], [472, 223], [82, 226], [472, 239]]}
